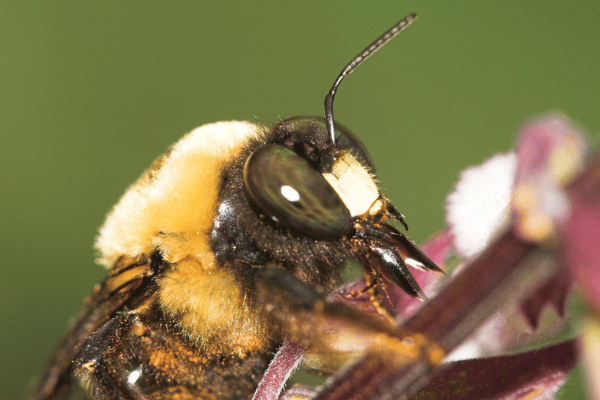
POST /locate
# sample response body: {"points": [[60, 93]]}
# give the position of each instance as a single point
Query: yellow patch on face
{"points": [[354, 184], [171, 206]]}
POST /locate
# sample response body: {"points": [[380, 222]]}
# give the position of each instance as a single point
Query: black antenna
{"points": [[356, 61]]}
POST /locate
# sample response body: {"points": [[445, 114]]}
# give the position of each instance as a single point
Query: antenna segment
{"points": [[356, 61]]}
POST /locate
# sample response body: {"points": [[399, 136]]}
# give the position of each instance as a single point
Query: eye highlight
{"points": [[291, 192]]}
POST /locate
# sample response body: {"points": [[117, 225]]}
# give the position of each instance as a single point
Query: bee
{"points": [[225, 247]]}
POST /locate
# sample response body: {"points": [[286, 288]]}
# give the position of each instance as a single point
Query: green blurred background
{"points": [[92, 92]]}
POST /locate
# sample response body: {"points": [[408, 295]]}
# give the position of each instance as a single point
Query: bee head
{"points": [[302, 181]]}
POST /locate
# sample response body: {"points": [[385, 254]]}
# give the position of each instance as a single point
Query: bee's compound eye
{"points": [[290, 191]]}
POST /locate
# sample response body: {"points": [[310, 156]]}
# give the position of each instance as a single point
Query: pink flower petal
{"points": [[538, 142], [438, 246], [554, 292], [580, 243], [536, 374], [550, 152]]}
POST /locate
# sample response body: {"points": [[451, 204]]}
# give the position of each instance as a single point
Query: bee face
{"points": [[290, 193], [223, 248]]}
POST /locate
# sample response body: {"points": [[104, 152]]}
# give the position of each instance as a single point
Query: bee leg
{"points": [[369, 284], [298, 308], [103, 374], [376, 287], [377, 294]]}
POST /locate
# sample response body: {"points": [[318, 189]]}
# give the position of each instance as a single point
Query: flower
{"points": [[521, 226], [479, 205]]}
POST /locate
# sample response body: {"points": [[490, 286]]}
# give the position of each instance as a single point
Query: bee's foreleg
{"points": [[333, 330]]}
